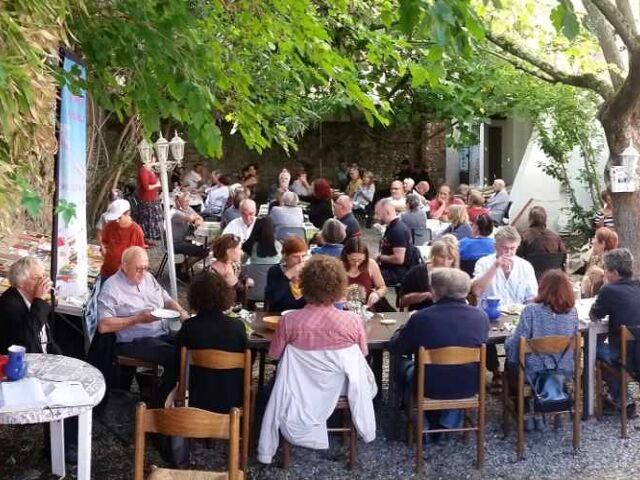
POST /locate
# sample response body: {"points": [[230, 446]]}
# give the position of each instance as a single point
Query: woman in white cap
{"points": [[119, 233]]}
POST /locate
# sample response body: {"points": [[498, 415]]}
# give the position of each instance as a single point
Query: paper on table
{"points": [[67, 394], [25, 394]]}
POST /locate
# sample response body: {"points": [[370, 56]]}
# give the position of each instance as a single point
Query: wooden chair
{"points": [[221, 360], [189, 423], [422, 402], [514, 401], [620, 372], [350, 436], [124, 361]]}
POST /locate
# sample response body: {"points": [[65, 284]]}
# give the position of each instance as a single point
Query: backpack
{"points": [[549, 388]]}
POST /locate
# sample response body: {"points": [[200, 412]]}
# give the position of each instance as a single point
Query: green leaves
{"points": [[564, 19], [29, 199], [67, 210]]}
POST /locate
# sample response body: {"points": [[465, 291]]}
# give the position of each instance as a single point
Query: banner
{"points": [[70, 260]]}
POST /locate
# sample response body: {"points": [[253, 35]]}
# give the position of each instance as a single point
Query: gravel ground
{"points": [[547, 455], [603, 454]]}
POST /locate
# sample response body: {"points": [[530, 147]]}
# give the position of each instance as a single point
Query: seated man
{"points": [[395, 244], [322, 353], [343, 208], [124, 308], [449, 322], [619, 298], [183, 219], [506, 276], [397, 197], [243, 226], [498, 202], [24, 312]]}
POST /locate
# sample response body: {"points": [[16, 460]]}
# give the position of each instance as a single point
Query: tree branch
{"points": [[519, 66], [585, 80], [620, 24], [627, 12], [606, 38]]}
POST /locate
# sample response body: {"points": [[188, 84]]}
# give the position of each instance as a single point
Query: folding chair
{"points": [[189, 423], [222, 360], [422, 403], [549, 345], [620, 371], [421, 236]]}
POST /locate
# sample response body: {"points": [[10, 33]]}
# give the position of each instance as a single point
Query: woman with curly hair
{"points": [[320, 206], [320, 325], [215, 390]]}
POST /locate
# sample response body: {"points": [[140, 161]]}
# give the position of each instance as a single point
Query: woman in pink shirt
{"points": [[320, 325]]}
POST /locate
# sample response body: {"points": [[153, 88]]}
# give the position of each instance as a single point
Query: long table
{"points": [[378, 336]]}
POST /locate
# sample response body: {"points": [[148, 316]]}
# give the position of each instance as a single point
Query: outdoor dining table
{"points": [[379, 334], [58, 367]]}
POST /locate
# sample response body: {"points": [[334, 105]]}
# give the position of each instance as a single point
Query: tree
{"points": [[600, 52]]}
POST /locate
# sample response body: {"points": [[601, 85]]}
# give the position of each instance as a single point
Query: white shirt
{"points": [[239, 228], [307, 387], [216, 199], [44, 338], [520, 287]]}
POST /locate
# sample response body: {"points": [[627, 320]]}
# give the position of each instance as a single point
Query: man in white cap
{"points": [[119, 233]]}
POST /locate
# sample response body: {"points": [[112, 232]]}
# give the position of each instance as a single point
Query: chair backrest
{"points": [[629, 337], [257, 272], [215, 360], [451, 356], [550, 345], [189, 423], [282, 232], [468, 266], [542, 262], [421, 236]]}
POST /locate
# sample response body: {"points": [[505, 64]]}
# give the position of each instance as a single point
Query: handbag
{"points": [[549, 389]]}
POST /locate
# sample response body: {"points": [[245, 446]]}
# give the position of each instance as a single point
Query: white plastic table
{"points": [[93, 382]]}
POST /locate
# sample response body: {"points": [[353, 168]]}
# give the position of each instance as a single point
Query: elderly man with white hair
{"points": [[498, 202], [397, 196], [449, 322], [243, 226], [24, 311], [343, 209], [125, 304], [407, 185]]}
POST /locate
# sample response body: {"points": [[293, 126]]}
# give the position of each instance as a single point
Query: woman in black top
{"points": [[214, 390], [283, 291], [320, 206]]}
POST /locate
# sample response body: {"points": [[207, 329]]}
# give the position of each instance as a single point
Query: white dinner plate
{"points": [[163, 313]]}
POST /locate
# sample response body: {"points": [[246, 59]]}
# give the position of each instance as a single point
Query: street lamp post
{"points": [[162, 148]]}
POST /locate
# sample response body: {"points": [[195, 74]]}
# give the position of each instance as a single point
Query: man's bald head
{"points": [[135, 264], [386, 211]]}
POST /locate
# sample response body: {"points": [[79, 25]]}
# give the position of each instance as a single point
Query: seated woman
{"points": [[288, 213], [320, 205], [332, 234], [364, 272], [604, 216], [283, 290], [217, 196], [355, 182], [481, 243], [364, 194], [300, 185], [538, 239], [604, 240], [416, 291], [552, 312], [261, 246], [228, 253], [476, 206], [415, 216], [459, 227], [215, 390]]}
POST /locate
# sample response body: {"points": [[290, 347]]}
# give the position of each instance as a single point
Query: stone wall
{"points": [[324, 148]]}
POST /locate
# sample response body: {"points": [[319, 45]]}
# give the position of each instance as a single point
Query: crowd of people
{"points": [[475, 258]]}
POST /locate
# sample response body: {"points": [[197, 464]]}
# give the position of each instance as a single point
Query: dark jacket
{"points": [[621, 301], [448, 323], [278, 292], [214, 390], [320, 210], [21, 326], [540, 240]]}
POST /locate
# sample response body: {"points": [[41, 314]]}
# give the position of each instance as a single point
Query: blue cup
{"points": [[16, 367], [340, 305]]}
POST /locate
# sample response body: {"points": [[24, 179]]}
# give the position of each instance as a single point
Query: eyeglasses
{"points": [[142, 269]]}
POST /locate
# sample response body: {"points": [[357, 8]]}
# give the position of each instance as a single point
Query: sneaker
{"points": [[540, 424]]}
